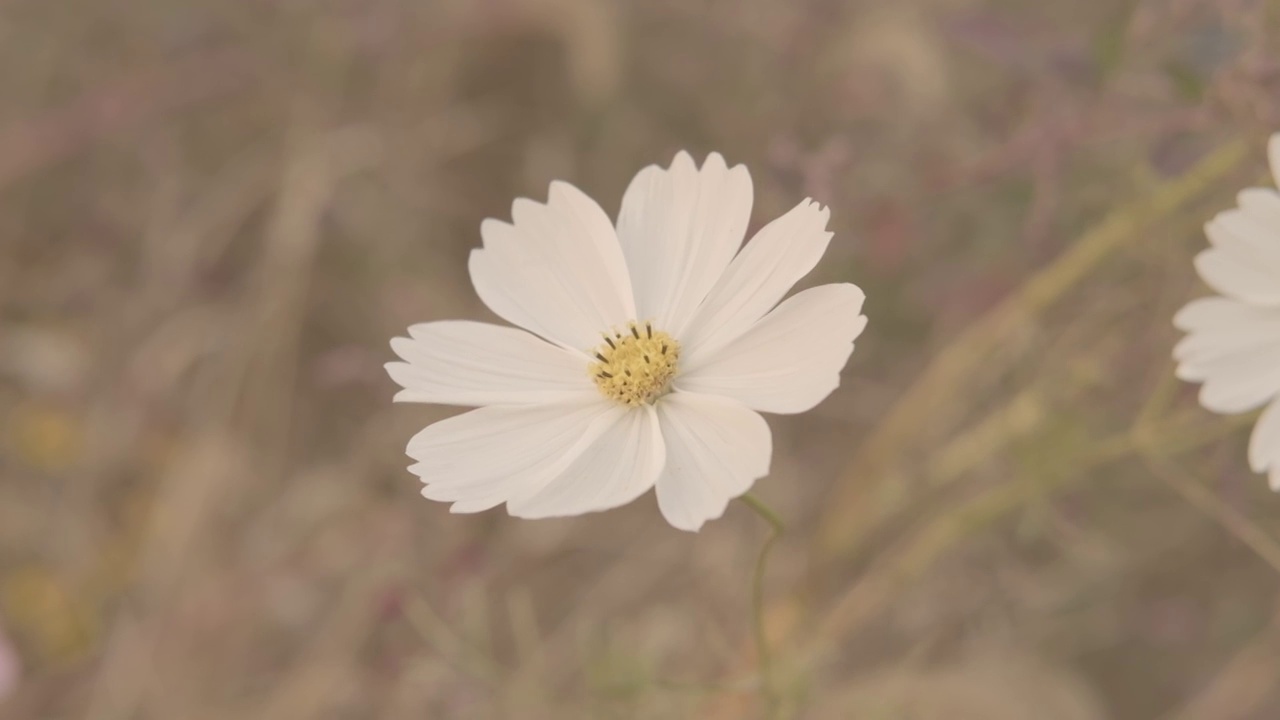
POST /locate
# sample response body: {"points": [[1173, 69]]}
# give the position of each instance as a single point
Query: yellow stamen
{"points": [[635, 366]]}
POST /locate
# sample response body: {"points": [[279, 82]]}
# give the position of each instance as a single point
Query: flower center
{"points": [[635, 366]]}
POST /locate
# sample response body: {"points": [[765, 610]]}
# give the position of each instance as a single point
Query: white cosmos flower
{"points": [[1233, 339], [646, 353]]}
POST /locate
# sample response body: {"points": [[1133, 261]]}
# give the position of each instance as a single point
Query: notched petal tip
{"points": [[522, 207], [489, 224], [714, 161], [1197, 313], [1205, 259], [856, 295], [396, 368], [1188, 372], [471, 507], [403, 396], [401, 346], [683, 163], [1183, 348], [817, 208], [563, 191]]}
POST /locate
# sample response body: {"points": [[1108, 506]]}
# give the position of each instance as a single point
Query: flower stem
{"points": [[776, 527]]}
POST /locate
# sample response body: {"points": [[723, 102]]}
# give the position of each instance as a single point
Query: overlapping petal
{"points": [[1264, 442], [768, 266], [679, 228], [716, 448], [789, 360], [556, 271], [485, 457], [1244, 260], [474, 364], [621, 464]]}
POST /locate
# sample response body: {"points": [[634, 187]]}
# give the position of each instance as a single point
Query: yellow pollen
{"points": [[635, 366]]}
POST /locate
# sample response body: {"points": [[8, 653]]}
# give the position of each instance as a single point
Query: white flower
{"points": [[1233, 340], [646, 350]]}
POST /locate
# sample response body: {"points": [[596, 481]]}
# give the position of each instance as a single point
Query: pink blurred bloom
{"points": [[10, 666]]}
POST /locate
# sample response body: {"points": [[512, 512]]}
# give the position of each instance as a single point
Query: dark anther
{"points": [[635, 332], [664, 348], [650, 329], [628, 372], [606, 339], [604, 374], [601, 358], [646, 358]]}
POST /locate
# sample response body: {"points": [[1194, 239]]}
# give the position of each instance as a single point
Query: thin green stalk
{"points": [[776, 527]]}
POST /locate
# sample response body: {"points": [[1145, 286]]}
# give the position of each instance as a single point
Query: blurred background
{"points": [[215, 213]]}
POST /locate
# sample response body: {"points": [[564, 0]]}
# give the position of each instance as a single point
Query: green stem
{"points": [[776, 527]]}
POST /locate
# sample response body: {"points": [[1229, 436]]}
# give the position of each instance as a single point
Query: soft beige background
{"points": [[215, 213]]}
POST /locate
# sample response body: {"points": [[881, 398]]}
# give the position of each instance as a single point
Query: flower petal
{"points": [[1264, 442], [621, 465], [1237, 383], [1244, 261], [1232, 276], [1262, 204], [485, 457], [716, 449], [679, 228], [782, 252], [1233, 348], [1209, 313], [473, 364], [788, 361], [1219, 328], [557, 270]]}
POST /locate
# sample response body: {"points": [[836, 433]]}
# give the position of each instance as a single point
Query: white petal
{"points": [[1234, 348], [1244, 262], [791, 359], [1264, 442], [1205, 312], [1263, 205], [716, 449], [782, 252], [505, 292], [488, 456], [1234, 277], [622, 464], [1239, 383], [679, 228], [1219, 327], [470, 363], [556, 271]]}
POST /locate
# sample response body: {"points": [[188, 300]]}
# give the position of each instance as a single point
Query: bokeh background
{"points": [[215, 213]]}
